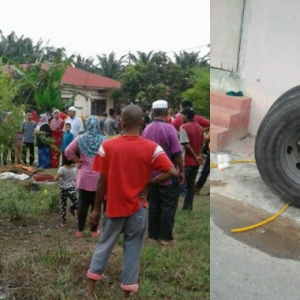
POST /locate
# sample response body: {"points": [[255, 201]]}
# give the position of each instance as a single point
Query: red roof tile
{"points": [[83, 78]]}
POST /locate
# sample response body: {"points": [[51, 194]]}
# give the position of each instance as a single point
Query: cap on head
{"points": [[159, 104], [72, 108]]}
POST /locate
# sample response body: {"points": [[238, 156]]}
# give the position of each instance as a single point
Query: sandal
{"points": [[63, 224]]}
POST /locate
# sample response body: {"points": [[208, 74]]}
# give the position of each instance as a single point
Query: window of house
{"points": [[98, 107]]}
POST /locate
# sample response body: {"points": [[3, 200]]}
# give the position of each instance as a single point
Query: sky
{"points": [[93, 27]]}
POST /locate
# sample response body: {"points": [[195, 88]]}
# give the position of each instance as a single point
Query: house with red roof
{"points": [[93, 91]]}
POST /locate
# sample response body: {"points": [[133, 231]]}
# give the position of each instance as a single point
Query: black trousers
{"points": [[29, 146], [204, 173], [190, 178], [163, 202], [86, 201]]}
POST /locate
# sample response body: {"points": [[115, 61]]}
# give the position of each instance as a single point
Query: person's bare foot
{"points": [[165, 242], [90, 289]]}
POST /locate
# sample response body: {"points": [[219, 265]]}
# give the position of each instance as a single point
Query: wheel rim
{"points": [[290, 154]]}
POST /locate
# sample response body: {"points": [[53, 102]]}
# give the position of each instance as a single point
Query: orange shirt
{"points": [[126, 163]]}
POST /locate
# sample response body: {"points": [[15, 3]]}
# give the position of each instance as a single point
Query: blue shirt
{"points": [[28, 130], [67, 139]]}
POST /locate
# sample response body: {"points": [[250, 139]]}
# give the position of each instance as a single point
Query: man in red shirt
{"points": [[178, 121], [191, 137], [125, 165]]}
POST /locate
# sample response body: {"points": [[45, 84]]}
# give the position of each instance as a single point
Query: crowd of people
{"points": [[155, 158]]}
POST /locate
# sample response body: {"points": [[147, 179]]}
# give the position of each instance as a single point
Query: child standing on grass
{"points": [[67, 176], [134, 158], [67, 139]]}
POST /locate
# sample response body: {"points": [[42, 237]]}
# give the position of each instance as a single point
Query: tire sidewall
{"points": [[268, 143]]}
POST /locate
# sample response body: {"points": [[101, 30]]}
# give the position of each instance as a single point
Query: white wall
{"points": [[269, 60], [109, 104], [83, 105], [226, 20]]}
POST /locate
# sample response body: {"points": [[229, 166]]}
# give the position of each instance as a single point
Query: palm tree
{"points": [[23, 50], [141, 57], [86, 64], [19, 49], [187, 59], [110, 66], [204, 60], [51, 53]]}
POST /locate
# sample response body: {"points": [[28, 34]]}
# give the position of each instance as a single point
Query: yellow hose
{"points": [[260, 223]]}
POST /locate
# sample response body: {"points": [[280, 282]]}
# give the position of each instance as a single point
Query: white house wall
{"points": [[227, 21], [269, 60], [83, 105]]}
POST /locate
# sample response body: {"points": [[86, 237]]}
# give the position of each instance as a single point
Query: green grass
{"points": [[40, 260]]}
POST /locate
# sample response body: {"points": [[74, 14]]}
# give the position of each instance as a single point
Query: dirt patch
{"points": [[18, 239], [279, 238], [216, 183]]}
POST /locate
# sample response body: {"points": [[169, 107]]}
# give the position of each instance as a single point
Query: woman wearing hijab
{"points": [[43, 133], [35, 116], [56, 126], [87, 145]]}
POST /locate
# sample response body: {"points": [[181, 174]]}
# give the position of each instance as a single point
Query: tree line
{"points": [[145, 77]]}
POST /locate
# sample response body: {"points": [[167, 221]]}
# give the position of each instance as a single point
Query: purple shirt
{"points": [[86, 178], [166, 136]]}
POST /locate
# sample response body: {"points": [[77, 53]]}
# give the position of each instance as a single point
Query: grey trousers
{"points": [[133, 228]]}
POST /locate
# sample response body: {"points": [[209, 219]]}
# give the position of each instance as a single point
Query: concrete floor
{"points": [[262, 263]]}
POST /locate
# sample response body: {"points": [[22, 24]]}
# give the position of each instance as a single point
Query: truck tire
{"points": [[288, 95], [282, 100], [277, 150]]}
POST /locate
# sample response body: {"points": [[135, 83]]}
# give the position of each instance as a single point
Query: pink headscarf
{"points": [[56, 124]]}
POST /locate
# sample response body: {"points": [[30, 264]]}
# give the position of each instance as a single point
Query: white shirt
{"points": [[77, 125]]}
